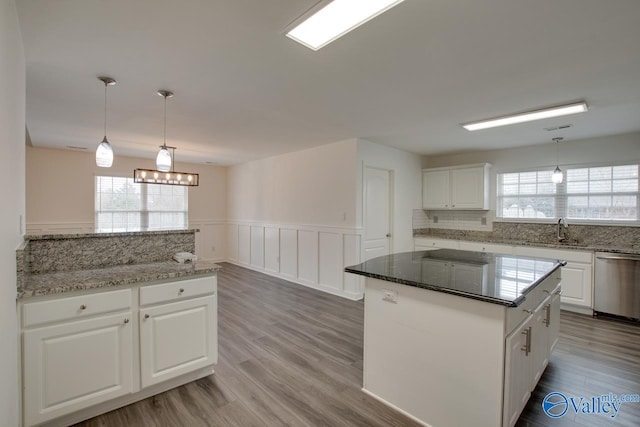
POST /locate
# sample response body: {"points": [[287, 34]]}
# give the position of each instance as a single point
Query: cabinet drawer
{"points": [[566, 255], [486, 247], [537, 296], [173, 291], [68, 308], [435, 243]]}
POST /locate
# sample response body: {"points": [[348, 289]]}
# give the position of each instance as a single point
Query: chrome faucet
{"points": [[562, 231]]}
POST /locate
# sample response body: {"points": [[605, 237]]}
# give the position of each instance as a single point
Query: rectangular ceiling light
{"points": [[528, 116], [337, 19]]}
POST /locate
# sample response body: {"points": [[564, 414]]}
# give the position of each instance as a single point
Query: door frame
{"points": [[391, 172]]}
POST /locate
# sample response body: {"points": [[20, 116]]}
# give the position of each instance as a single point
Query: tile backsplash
{"points": [[453, 220]]}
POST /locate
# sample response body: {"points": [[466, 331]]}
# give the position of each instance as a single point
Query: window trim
{"points": [[144, 212], [563, 194]]}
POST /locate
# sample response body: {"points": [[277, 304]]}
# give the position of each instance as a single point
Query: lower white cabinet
{"points": [[527, 352], [177, 338], [78, 351], [73, 365]]}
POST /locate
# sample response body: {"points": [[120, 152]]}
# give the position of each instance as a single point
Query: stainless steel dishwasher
{"points": [[617, 284]]}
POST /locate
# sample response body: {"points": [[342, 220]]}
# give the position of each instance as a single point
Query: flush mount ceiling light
{"points": [[104, 152], [557, 176], [337, 19], [528, 116], [165, 162]]}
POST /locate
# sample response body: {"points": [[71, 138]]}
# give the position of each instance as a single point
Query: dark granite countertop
{"points": [[122, 275], [493, 278]]}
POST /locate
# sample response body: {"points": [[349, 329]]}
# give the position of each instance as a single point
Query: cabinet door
{"points": [[435, 272], [517, 373], [540, 341], [435, 189], [554, 321], [467, 189], [177, 338], [577, 284], [74, 365]]}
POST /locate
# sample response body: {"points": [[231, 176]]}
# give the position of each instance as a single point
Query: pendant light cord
{"points": [[105, 110], [165, 122]]}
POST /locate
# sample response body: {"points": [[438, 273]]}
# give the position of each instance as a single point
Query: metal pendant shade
{"points": [[104, 152]]}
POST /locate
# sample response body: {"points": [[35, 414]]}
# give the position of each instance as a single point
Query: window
{"points": [[122, 205], [602, 193], [513, 274]]}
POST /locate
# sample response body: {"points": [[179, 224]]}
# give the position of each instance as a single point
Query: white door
{"points": [[177, 338], [377, 209], [74, 365]]}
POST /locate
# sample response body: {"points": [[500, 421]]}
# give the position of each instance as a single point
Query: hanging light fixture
{"points": [[104, 152], [163, 159], [164, 174], [557, 176]]}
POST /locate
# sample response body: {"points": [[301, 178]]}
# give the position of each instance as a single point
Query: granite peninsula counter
{"points": [[107, 319], [448, 329]]}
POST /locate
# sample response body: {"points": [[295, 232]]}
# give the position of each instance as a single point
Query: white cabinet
{"points": [[425, 244], [73, 364], [517, 372], [177, 338], [78, 350], [464, 188], [577, 275], [486, 247], [527, 352]]}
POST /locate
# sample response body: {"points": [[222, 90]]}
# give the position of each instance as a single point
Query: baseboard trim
{"points": [[348, 295], [395, 408]]}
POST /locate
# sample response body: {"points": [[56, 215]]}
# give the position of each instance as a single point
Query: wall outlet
{"points": [[391, 296], [483, 220], [435, 219], [213, 248]]}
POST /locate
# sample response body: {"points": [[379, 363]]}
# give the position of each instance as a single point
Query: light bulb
{"points": [[179, 177], [557, 176], [143, 174], [190, 178], [104, 154], [163, 161], [168, 176], [155, 175]]}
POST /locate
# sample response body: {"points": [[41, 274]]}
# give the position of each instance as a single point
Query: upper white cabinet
{"points": [[464, 187]]}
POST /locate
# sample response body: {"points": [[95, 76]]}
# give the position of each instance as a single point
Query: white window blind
{"points": [[515, 274], [599, 193], [122, 205]]}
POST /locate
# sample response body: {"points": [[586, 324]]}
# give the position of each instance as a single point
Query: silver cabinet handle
{"points": [[388, 234], [83, 307], [527, 343], [181, 290], [621, 257], [559, 292], [146, 316], [547, 319], [126, 320], [526, 310]]}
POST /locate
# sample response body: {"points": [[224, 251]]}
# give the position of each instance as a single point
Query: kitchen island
{"points": [[457, 338]]}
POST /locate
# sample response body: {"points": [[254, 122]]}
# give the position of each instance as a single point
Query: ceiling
{"points": [[406, 79]]}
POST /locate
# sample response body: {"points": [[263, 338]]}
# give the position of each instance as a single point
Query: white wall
{"points": [[293, 216], [310, 187], [60, 195], [407, 188], [615, 149], [12, 194]]}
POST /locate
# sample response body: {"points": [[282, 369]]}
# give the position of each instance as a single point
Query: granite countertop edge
{"points": [[116, 276], [573, 247], [515, 303], [62, 236]]}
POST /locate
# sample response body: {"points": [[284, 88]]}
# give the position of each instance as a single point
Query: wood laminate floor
{"points": [[290, 355]]}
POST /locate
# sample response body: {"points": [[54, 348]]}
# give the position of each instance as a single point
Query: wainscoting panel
{"points": [[289, 253], [330, 260], [257, 246], [353, 284], [244, 244], [272, 249], [313, 256], [232, 242]]}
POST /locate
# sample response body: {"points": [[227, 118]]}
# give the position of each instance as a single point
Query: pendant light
{"points": [[557, 176], [104, 152], [163, 160], [165, 174]]}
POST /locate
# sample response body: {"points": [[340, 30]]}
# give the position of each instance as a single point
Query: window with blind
{"points": [[602, 193], [515, 274], [122, 205]]}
